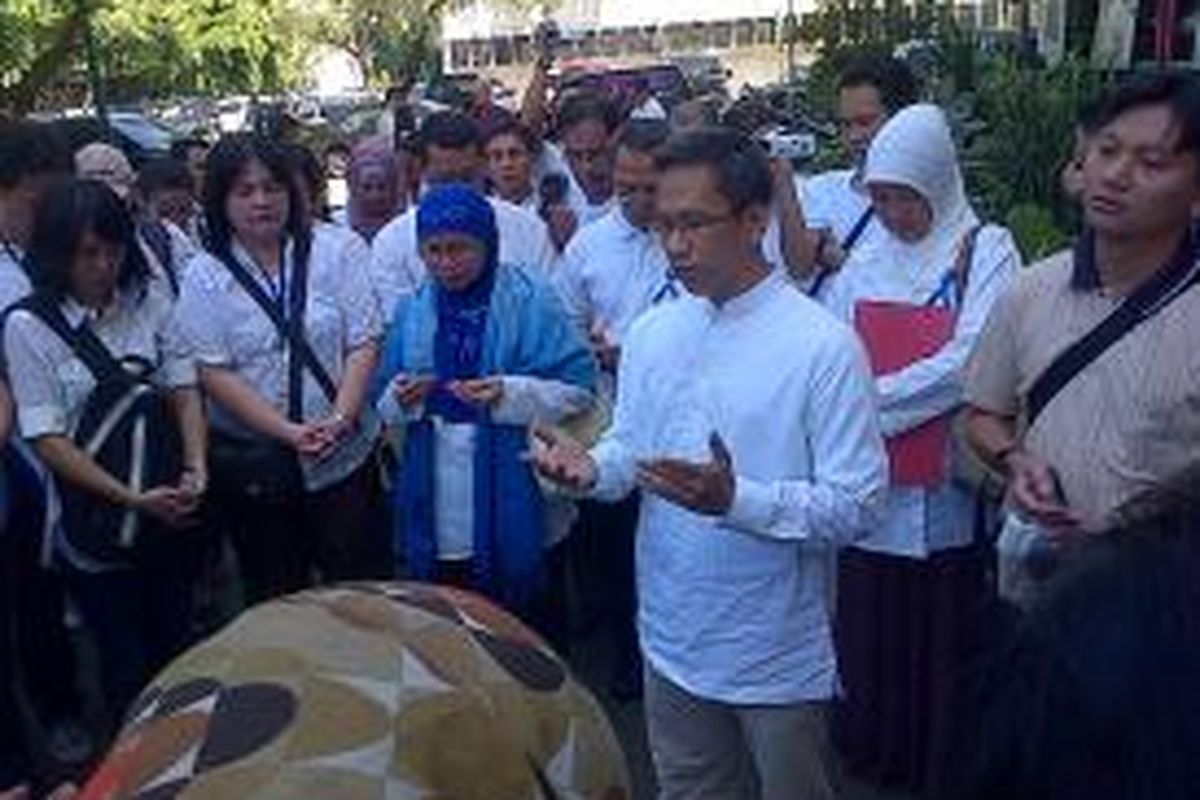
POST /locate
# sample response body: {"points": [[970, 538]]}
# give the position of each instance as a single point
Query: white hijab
{"points": [[915, 149]]}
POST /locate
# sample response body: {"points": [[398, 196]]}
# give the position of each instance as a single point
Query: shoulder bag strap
{"points": [[300, 354], [1142, 305], [847, 244], [83, 341]]}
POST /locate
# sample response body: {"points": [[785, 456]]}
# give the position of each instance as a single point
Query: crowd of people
{"points": [[754, 417]]}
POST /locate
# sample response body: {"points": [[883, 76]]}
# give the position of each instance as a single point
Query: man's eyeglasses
{"points": [[689, 224]]}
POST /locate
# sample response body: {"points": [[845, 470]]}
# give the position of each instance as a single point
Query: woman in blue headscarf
{"points": [[475, 356]]}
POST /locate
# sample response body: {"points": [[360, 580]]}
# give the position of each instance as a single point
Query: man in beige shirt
{"points": [[1130, 418]]}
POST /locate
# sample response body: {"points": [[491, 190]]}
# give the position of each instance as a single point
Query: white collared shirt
{"points": [[397, 268], [834, 200], [51, 384], [611, 273], [919, 521], [225, 327], [736, 609]]}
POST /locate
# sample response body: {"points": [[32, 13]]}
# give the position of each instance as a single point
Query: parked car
{"points": [[138, 136]]}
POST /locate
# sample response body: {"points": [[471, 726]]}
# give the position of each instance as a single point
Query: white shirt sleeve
{"points": [[391, 274], [528, 399], [38, 394], [198, 321], [360, 303], [178, 364], [933, 386], [614, 456], [849, 472]]}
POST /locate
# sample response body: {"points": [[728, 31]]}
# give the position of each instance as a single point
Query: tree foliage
{"points": [[157, 48]]}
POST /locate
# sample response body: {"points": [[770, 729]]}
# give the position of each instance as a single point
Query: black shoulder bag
{"points": [[127, 427]]}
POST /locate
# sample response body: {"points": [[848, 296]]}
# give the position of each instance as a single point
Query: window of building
{"points": [[719, 35], [765, 31]]}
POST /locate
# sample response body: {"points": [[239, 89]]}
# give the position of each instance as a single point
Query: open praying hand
{"points": [[705, 488], [479, 391]]}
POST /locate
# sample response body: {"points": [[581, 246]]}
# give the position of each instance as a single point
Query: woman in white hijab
{"points": [[908, 594]]}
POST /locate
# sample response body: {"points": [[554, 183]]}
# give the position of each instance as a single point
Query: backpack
{"points": [[128, 428]]}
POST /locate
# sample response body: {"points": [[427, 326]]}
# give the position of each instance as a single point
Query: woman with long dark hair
{"points": [[284, 327], [107, 398]]}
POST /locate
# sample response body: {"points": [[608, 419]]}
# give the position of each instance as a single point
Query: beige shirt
{"points": [[1126, 423]]}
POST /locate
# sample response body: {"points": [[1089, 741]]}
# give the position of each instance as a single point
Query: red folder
{"points": [[897, 335]]}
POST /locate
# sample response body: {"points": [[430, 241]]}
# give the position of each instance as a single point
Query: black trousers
{"points": [[334, 534], [140, 617], [37, 659], [607, 535]]}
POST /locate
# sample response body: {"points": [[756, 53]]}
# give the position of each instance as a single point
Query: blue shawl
{"points": [[524, 332]]}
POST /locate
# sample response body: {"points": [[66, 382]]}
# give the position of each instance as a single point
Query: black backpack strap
{"points": [[300, 353], [847, 244], [1140, 306], [860, 227], [84, 343]]}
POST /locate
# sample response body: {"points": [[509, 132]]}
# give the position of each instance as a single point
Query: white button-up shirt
{"points": [[611, 272], [14, 282], [397, 267], [225, 327], [919, 521], [51, 384], [834, 200], [736, 609]]}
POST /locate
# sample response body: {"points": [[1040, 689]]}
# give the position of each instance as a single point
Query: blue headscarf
{"points": [[461, 315]]}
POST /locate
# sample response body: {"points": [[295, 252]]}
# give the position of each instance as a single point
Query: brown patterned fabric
{"points": [[385, 691]]}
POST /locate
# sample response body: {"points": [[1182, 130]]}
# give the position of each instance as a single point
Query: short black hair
{"points": [[68, 210], [180, 147], [583, 105], [164, 173], [749, 115], [738, 162], [644, 135], [226, 161], [891, 77], [27, 149], [1179, 91], [451, 130], [505, 123]]}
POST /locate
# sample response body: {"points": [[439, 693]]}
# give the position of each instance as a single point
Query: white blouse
{"points": [[920, 521], [225, 327], [51, 384]]}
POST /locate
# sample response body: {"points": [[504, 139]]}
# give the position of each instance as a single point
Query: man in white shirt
{"points": [[449, 148], [511, 152], [612, 271], [835, 204], [586, 124], [746, 415], [616, 268]]}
